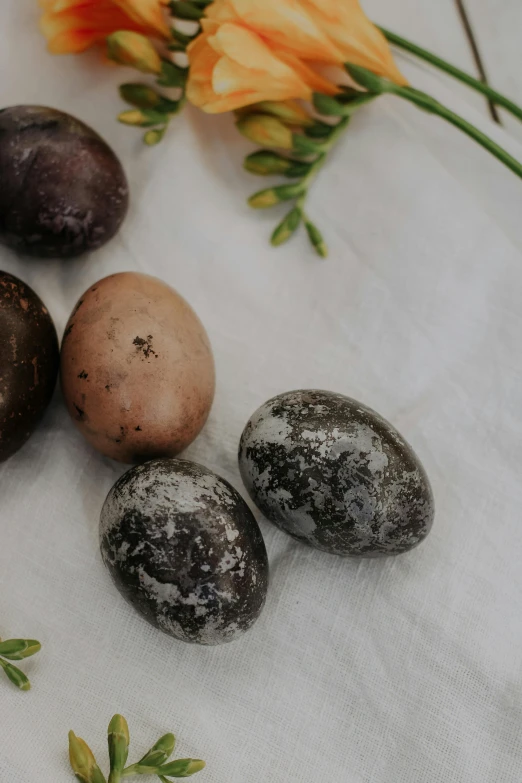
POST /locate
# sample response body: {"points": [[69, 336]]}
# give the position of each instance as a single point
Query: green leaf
{"points": [[172, 75], [182, 768], [183, 9], [316, 238], [153, 137], [142, 118], [14, 674], [18, 649], [272, 196], [287, 227]]}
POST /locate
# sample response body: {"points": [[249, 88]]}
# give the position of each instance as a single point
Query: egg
{"points": [[184, 549], [29, 364], [137, 370], [334, 474], [64, 191]]}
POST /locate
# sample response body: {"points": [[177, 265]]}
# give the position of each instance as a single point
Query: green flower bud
{"points": [[182, 768], [183, 9], [327, 105], [118, 738], [316, 238], [17, 677], [290, 112], [153, 137], [140, 95], [18, 649], [266, 131], [287, 227], [159, 753], [265, 162], [128, 48], [83, 762], [271, 196], [143, 118], [367, 79], [172, 75]]}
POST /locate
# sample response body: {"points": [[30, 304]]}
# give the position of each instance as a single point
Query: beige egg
{"points": [[137, 370]]}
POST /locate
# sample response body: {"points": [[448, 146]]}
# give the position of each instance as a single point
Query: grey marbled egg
{"points": [[185, 550], [335, 475]]}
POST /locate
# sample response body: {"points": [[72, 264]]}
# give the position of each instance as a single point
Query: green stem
{"points": [[378, 84], [462, 76], [324, 147]]}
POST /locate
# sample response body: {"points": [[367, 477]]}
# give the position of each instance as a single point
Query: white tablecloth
{"points": [[405, 670]]}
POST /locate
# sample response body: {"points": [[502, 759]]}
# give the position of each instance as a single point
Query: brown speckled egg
{"points": [[64, 191], [137, 370], [29, 362]]}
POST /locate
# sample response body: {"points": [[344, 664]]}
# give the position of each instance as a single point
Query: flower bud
{"points": [[143, 118], [118, 738], [83, 762], [316, 238], [272, 196], [128, 48], [266, 131], [18, 649], [182, 768], [159, 753], [287, 227], [290, 112]]}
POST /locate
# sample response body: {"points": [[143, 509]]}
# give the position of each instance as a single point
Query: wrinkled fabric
{"points": [[405, 670]]}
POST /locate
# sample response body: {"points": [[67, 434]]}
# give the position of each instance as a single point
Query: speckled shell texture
{"points": [[185, 550], [335, 475], [28, 362], [64, 191], [137, 370]]}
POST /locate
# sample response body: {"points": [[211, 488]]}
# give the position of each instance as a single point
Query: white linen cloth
{"points": [[406, 670]]}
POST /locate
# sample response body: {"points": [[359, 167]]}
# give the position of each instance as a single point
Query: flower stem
{"points": [[378, 84], [457, 73]]}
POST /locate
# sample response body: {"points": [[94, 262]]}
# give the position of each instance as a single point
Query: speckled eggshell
{"points": [[137, 370], [29, 362], [184, 549], [64, 191], [335, 475]]}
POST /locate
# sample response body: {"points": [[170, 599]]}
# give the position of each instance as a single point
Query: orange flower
{"points": [[255, 50], [72, 26]]}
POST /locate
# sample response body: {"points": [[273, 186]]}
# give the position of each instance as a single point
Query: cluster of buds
{"points": [[154, 762], [304, 142], [17, 650]]}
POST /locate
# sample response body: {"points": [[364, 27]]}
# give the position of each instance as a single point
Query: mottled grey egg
{"points": [[185, 550], [335, 475]]}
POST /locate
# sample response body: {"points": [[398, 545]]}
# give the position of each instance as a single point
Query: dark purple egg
{"points": [[185, 550], [29, 360], [64, 191]]}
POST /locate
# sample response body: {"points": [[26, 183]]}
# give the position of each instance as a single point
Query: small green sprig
{"points": [[154, 762], [151, 108], [306, 142], [17, 650]]}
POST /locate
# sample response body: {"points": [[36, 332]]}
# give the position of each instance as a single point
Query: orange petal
{"points": [[148, 13], [248, 50], [360, 41], [287, 25]]}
